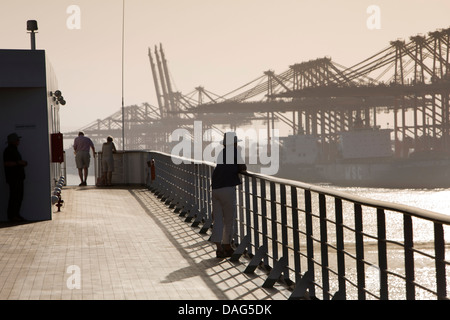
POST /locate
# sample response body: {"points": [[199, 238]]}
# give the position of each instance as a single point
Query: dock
{"points": [[119, 244]]}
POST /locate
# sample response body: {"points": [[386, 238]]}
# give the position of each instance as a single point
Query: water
{"points": [[437, 200]]}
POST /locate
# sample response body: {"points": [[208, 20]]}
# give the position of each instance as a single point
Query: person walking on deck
{"points": [[81, 146]]}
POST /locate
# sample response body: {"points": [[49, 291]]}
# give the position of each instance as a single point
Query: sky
{"points": [[220, 45]]}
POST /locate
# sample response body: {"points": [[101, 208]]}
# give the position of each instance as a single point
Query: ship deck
{"points": [[119, 243]]}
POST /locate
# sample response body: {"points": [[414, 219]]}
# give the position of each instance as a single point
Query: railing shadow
{"points": [[327, 242], [221, 275]]}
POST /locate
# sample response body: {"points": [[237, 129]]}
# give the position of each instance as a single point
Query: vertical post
{"points": [[324, 246], [200, 188], [284, 232], [439, 249], [255, 212], [359, 241], [296, 233], [309, 239], [241, 213], [248, 222], [123, 50], [33, 40], [382, 254], [340, 246], [409, 257], [273, 215], [204, 188], [264, 217], [192, 185], [197, 186], [208, 192]]}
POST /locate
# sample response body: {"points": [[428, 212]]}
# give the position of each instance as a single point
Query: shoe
{"points": [[82, 184], [219, 254], [226, 253]]}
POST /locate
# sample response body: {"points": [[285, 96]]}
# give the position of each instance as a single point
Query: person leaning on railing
{"points": [[225, 178], [108, 148]]}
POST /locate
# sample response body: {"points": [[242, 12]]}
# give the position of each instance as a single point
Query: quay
{"points": [[127, 245]]}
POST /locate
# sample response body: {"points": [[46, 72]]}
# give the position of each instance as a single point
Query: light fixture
{"points": [[32, 26], [57, 97]]}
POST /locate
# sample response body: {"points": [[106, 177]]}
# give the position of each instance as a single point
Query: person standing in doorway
{"points": [[15, 176], [225, 178], [81, 147], [108, 149]]}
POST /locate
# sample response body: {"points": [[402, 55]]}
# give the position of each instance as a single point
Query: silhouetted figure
{"points": [[108, 149], [81, 146], [225, 178], [15, 176]]}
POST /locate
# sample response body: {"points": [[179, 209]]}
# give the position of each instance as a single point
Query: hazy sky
{"points": [[220, 45]]}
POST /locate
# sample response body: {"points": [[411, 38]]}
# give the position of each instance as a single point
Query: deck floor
{"points": [[119, 243]]}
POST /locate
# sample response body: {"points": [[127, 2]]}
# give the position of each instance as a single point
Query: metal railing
{"points": [[322, 243]]}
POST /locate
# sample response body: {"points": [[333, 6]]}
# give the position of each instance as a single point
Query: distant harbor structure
{"points": [[382, 122]]}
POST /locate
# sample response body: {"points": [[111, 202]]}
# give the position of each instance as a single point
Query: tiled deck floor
{"points": [[127, 245]]}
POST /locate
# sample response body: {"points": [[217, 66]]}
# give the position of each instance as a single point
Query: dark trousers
{"points": [[15, 198]]}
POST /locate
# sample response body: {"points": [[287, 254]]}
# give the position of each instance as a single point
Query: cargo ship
{"points": [[362, 157]]}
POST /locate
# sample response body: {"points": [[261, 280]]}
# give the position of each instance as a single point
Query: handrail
{"points": [[290, 226], [413, 211]]}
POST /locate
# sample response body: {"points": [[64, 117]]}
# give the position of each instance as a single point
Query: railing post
{"points": [[264, 218], [409, 257], [196, 186], [208, 192], [192, 188], [273, 212], [284, 231], [201, 186], [340, 246], [201, 213], [359, 242], [247, 210], [208, 212], [296, 234], [324, 246], [382, 254], [309, 239], [241, 214], [439, 249], [204, 211], [255, 212]]}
